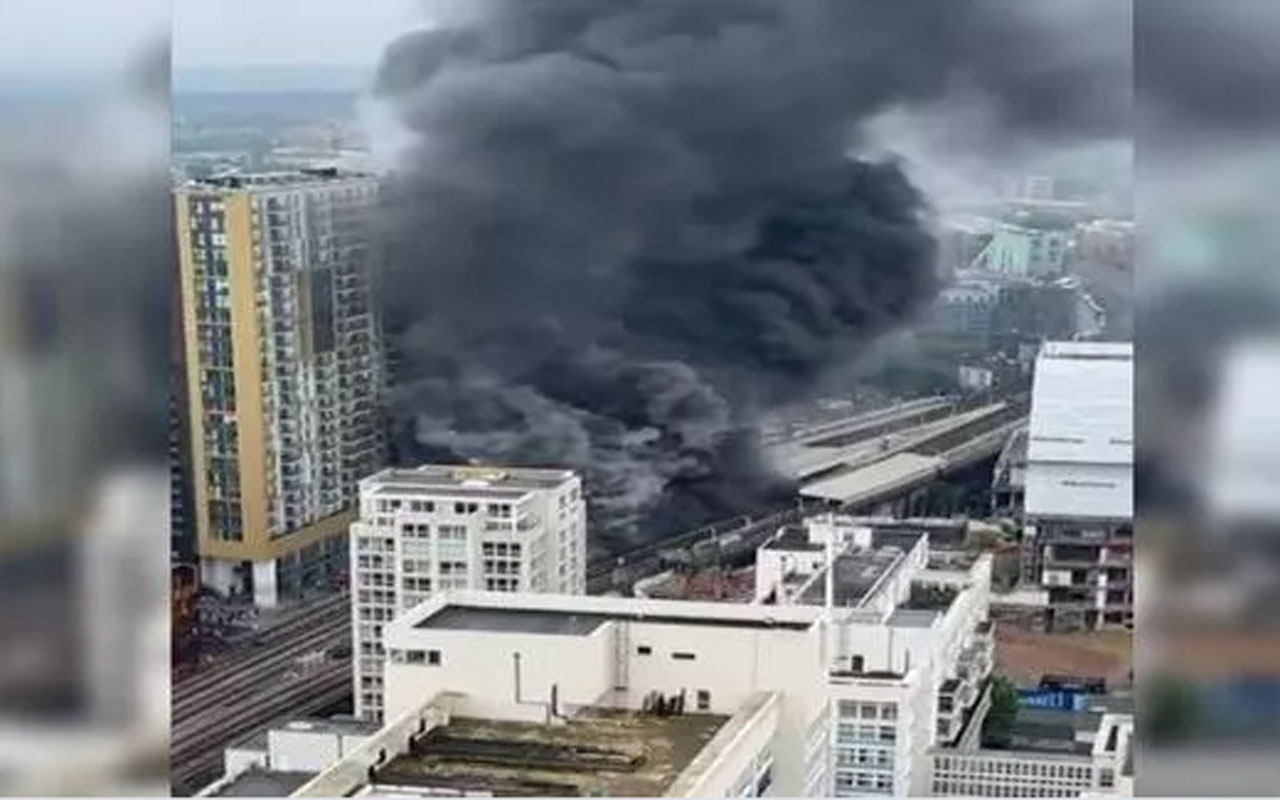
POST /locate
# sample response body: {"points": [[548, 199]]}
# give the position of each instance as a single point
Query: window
{"points": [[888, 733], [415, 657], [704, 700], [889, 711], [644, 650], [681, 656], [868, 711]]}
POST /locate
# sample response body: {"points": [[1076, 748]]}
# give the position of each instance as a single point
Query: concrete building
{"points": [[839, 688], [283, 370], [1024, 252], [276, 761], [1009, 477], [440, 528], [1052, 754], [960, 239], [1079, 483], [965, 308]]}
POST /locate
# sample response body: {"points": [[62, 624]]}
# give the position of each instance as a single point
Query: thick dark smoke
{"points": [[625, 227]]}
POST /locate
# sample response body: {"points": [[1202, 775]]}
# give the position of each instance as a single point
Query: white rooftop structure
{"points": [[1080, 447]]}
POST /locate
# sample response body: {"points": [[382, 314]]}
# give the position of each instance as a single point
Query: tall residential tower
{"points": [[283, 369]]}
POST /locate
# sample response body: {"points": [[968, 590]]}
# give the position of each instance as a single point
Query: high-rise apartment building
{"points": [[283, 369], [438, 528]]}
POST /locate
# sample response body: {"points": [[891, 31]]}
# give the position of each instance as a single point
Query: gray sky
{"points": [[52, 38], [217, 33]]}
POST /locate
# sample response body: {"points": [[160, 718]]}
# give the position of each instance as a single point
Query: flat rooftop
{"points": [[856, 575], [793, 538], [553, 622], [1049, 731], [259, 782], [455, 480], [345, 726], [599, 752], [266, 181]]}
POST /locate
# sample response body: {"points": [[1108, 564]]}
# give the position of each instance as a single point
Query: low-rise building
{"points": [[838, 688], [276, 761], [1051, 754]]}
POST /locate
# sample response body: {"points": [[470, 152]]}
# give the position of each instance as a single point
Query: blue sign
{"points": [[1055, 699]]}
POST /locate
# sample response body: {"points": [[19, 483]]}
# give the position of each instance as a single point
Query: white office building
{"points": [[841, 687], [439, 528], [1079, 483]]}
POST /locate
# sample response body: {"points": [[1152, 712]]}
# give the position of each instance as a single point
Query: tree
{"points": [[997, 728]]}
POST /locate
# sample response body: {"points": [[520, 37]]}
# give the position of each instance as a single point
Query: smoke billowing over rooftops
{"points": [[623, 228]]}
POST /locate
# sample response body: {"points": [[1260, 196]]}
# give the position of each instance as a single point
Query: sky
{"points": [[60, 38], [287, 32]]}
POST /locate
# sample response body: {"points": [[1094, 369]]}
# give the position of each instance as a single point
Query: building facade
{"points": [[284, 373], [1024, 252], [869, 664], [1079, 483], [440, 528]]}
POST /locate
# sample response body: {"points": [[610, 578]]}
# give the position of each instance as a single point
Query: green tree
{"points": [[997, 728]]}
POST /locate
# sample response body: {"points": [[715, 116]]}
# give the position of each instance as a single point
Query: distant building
{"points": [[965, 309], [791, 697], [1030, 187], [1009, 478], [1079, 483], [973, 378], [961, 239], [1029, 313], [1107, 241], [283, 373], [439, 528], [1018, 251]]}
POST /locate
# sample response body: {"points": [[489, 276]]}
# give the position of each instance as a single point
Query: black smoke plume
{"points": [[626, 227]]}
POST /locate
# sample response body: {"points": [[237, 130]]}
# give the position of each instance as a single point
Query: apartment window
{"points": [[683, 656], [868, 711], [704, 700], [888, 733], [889, 711], [644, 650], [433, 658]]}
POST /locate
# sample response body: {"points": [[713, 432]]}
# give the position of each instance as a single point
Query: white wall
{"points": [[733, 663], [236, 760]]}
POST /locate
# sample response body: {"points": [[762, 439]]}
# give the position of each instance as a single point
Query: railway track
{"points": [[198, 761], [217, 706], [603, 570], [196, 707], [304, 619]]}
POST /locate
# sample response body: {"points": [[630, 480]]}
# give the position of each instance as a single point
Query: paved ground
{"points": [[1025, 657]]}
